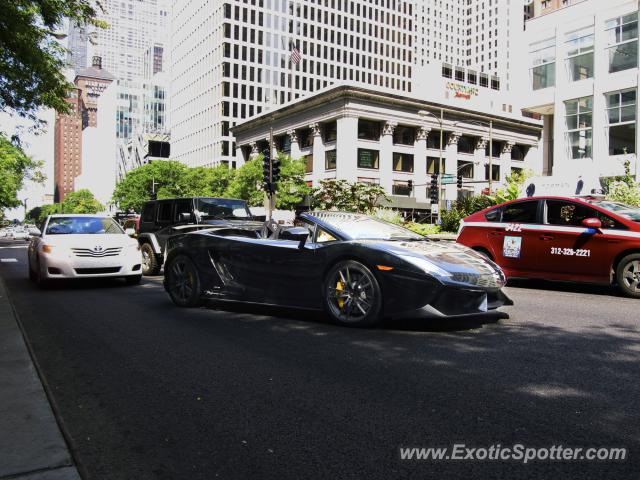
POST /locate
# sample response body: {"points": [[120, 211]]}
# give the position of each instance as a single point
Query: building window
{"points": [[433, 165], [622, 36], [402, 162], [579, 119], [472, 77], [308, 163], [368, 158], [459, 74], [519, 152], [466, 145], [465, 169], [368, 130], [495, 170], [330, 160], [401, 188], [579, 47], [543, 61], [403, 135], [330, 131], [484, 80], [447, 70], [305, 138], [621, 118], [433, 140]]}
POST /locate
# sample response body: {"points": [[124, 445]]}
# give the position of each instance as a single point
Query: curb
{"points": [[39, 445]]}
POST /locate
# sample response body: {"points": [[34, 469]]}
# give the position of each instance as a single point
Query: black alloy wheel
{"points": [[183, 281], [352, 295]]}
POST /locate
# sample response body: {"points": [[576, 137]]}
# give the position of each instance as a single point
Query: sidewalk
{"points": [[31, 445]]}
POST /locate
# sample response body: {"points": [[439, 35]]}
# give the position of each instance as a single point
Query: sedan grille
{"points": [[89, 252], [96, 271]]}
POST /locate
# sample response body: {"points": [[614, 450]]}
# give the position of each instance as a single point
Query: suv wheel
{"points": [[150, 264]]}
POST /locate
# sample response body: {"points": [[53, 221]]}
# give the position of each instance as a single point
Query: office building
{"points": [[583, 81]]}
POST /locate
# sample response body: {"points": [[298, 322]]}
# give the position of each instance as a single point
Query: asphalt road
{"points": [[144, 389]]}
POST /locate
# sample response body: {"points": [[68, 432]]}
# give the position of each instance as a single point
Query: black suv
{"points": [[162, 218]]}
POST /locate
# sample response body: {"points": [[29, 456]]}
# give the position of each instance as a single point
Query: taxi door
{"points": [[569, 250], [513, 239]]}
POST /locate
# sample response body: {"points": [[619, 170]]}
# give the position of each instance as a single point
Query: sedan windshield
{"points": [[82, 226], [221, 208], [362, 227], [626, 211]]}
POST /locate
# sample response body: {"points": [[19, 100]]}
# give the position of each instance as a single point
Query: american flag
{"points": [[295, 54]]}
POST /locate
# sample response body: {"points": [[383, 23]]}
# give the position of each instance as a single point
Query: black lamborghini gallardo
{"points": [[356, 268]]}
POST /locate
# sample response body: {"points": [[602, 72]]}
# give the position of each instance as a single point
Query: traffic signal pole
{"points": [[272, 194]]}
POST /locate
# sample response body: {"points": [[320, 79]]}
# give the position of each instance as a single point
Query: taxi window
{"points": [[572, 214], [523, 212]]}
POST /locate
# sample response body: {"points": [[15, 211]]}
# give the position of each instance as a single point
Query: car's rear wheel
{"points": [[150, 264], [352, 295], [628, 275], [183, 281]]}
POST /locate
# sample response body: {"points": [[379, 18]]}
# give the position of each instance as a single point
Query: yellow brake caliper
{"points": [[339, 289]]}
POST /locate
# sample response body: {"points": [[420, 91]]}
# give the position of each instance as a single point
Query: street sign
{"points": [[434, 208], [448, 179]]}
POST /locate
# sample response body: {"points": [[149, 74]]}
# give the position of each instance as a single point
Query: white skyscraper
{"points": [[232, 59]]}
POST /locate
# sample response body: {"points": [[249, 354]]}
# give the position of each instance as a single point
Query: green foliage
{"points": [[388, 215], [292, 188], [511, 191], [31, 60], [247, 183], [348, 197], [15, 168], [81, 201], [208, 182], [625, 189], [423, 228], [463, 208]]}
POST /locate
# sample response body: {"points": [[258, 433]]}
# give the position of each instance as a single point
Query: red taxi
{"points": [[560, 238]]}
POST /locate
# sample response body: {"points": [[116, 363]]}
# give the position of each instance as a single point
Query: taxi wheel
{"points": [[628, 275]]}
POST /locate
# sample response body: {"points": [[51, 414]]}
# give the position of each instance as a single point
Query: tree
{"points": [[348, 197], [169, 177], [513, 187], [81, 201], [292, 189], [208, 182], [15, 168], [31, 60], [625, 189]]}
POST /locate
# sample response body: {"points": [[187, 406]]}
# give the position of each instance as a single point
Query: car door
{"points": [[567, 249], [274, 271], [164, 221], [512, 239]]}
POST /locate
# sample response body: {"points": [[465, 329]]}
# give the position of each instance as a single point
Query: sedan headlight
{"points": [[47, 248], [426, 266]]}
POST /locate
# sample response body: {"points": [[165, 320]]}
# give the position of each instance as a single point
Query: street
{"points": [[143, 389]]}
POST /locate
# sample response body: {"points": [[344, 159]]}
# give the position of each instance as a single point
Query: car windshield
{"points": [[82, 226], [626, 211], [221, 208], [362, 227]]}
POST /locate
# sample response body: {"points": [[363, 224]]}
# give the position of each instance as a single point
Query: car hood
{"points": [[464, 264], [90, 241]]}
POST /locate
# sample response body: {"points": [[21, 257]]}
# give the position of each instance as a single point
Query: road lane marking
{"points": [[8, 260]]}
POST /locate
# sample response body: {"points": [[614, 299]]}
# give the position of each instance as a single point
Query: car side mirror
{"points": [[130, 231], [185, 217], [297, 234], [594, 223]]}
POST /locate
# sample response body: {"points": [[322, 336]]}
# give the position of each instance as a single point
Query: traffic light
{"points": [[266, 170], [410, 185], [459, 181], [275, 171], [433, 191]]}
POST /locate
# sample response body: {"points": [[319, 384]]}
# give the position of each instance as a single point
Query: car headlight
{"points": [[426, 266], [47, 248]]}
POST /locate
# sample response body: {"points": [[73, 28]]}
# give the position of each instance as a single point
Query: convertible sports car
{"points": [[357, 268]]}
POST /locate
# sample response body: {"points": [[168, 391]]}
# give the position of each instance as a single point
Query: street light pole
{"points": [[440, 167], [490, 157]]}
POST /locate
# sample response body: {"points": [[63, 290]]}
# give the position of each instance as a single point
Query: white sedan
{"points": [[81, 246]]}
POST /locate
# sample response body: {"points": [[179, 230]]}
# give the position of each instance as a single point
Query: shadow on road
{"points": [[571, 287]]}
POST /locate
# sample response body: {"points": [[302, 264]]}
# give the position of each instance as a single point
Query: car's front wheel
{"points": [[183, 281], [150, 263], [628, 275], [352, 295]]}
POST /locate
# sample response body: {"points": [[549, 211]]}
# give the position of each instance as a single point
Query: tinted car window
{"points": [[570, 213], [164, 211], [148, 215], [493, 215], [523, 212]]}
